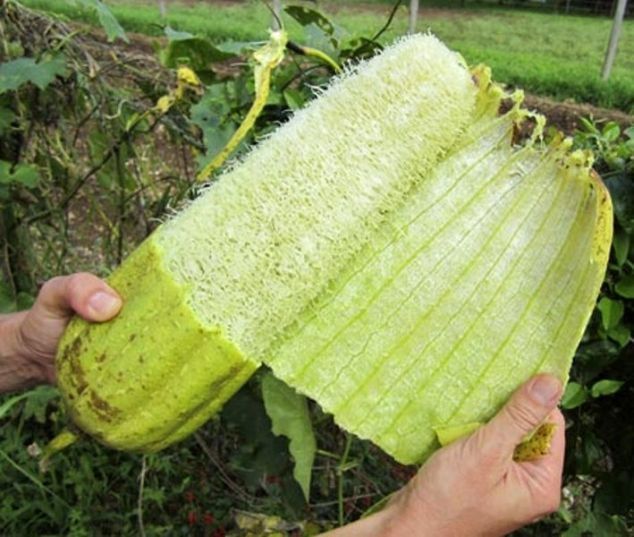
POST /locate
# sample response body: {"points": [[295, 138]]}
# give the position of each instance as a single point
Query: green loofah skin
{"points": [[144, 382], [387, 252]]}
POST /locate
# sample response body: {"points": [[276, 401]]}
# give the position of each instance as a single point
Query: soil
{"points": [[565, 115]]}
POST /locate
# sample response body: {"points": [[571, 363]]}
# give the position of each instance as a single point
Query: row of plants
{"points": [[550, 55]]}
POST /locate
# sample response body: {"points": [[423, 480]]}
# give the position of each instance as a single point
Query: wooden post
{"points": [[277, 9], [413, 16], [614, 39], [162, 8]]}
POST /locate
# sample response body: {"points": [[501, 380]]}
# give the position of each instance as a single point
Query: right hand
{"points": [[473, 487]]}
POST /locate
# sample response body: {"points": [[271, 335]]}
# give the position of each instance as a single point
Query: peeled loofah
{"points": [[388, 252], [210, 290], [272, 232]]}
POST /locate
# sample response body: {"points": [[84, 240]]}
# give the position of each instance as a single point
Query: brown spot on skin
{"points": [[77, 376], [101, 358], [233, 371], [185, 416], [132, 338], [71, 350], [141, 360], [102, 408]]}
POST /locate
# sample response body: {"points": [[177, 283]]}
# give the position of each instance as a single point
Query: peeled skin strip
{"points": [[487, 275]]}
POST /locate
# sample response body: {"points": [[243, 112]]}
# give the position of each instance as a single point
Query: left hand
{"points": [[28, 340]]}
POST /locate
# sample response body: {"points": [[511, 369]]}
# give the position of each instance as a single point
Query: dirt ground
{"points": [[565, 115]]}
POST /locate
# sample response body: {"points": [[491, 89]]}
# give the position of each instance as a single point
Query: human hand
{"points": [[29, 339], [474, 488]]}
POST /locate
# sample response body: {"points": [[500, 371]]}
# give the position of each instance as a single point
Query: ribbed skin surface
{"points": [[267, 238], [143, 382], [487, 276]]}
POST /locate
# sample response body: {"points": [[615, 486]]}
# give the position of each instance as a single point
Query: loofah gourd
{"points": [[388, 252]]}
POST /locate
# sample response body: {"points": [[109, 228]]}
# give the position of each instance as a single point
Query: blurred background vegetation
{"points": [[89, 167]]}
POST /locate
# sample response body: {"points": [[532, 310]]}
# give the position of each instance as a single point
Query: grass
{"points": [[547, 54]]}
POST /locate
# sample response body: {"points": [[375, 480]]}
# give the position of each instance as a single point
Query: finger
{"points": [[82, 293], [528, 407]]}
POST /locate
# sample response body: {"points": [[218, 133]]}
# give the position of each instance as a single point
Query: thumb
{"points": [[528, 407], [82, 293], [42, 326]]}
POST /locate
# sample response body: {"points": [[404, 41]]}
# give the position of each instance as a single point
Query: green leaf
{"points": [[611, 312], [574, 395], [196, 52], [37, 402], [611, 131], [625, 286], [621, 245], [307, 16], [15, 73], [621, 334], [10, 403], [22, 174], [622, 191], [289, 413], [321, 32], [261, 453], [175, 35], [598, 525], [605, 387], [6, 118], [211, 114], [294, 98], [588, 125], [108, 21]]}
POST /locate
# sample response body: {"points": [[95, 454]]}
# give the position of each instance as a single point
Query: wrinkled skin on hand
{"points": [[29, 339]]}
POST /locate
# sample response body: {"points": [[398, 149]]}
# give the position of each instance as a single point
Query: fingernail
{"points": [[545, 390], [104, 304]]}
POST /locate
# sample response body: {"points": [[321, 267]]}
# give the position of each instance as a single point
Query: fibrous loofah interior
{"points": [[266, 239]]}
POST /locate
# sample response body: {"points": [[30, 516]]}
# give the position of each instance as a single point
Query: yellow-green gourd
{"points": [[387, 252]]}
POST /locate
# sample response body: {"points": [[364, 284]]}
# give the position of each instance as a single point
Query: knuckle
{"points": [[522, 416], [51, 284], [75, 283]]}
